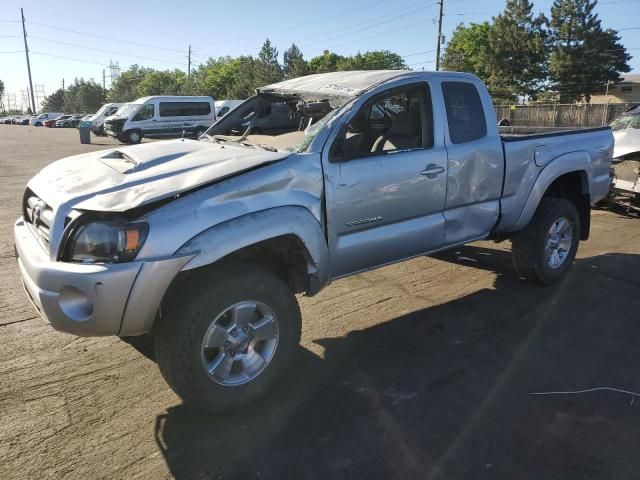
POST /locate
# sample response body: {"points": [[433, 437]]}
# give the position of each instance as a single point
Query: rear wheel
{"points": [[545, 249], [227, 336]]}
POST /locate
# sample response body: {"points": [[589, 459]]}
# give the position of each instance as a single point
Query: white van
{"points": [[39, 120], [161, 116], [225, 106], [97, 119]]}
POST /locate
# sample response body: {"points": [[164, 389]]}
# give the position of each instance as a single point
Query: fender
{"points": [[225, 238], [579, 161]]}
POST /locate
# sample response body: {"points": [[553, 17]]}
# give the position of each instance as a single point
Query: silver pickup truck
{"points": [[203, 244]]}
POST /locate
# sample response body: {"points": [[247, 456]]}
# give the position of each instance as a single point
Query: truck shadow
{"points": [[444, 392]]}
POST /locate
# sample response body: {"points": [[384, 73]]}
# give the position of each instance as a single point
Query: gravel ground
{"points": [[423, 369]]}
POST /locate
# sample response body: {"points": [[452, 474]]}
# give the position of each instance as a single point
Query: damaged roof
{"points": [[335, 84]]}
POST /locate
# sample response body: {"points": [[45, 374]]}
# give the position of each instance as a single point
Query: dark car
{"points": [[69, 121]]}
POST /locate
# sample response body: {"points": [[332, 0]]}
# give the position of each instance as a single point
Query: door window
{"points": [[465, 114], [397, 120], [145, 113]]}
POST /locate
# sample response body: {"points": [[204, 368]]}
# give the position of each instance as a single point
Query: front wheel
{"points": [[133, 136], [198, 132], [226, 336], [545, 249]]}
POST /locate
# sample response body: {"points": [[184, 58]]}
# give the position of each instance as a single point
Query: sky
{"points": [[78, 39]]}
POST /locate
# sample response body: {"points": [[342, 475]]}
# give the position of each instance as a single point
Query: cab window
{"points": [[465, 115], [145, 113], [398, 120]]}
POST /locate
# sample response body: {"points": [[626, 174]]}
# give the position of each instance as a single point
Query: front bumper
{"points": [[92, 300]]}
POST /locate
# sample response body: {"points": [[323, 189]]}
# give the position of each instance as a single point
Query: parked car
{"points": [[26, 120], [205, 243], [39, 120], [97, 119], [158, 117], [224, 106], [69, 122], [52, 123], [626, 155]]}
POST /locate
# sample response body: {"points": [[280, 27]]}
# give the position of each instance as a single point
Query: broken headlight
{"points": [[106, 242]]}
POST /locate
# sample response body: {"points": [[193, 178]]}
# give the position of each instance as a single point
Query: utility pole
{"points": [[441, 2], [189, 63], [104, 85], [63, 84], [26, 51]]}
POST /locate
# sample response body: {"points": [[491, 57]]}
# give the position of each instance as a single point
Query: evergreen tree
{"points": [[516, 59], [268, 70], [294, 64], [54, 102], [584, 56]]}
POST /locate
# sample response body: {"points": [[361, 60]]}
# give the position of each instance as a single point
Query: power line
{"points": [[412, 9], [381, 33], [104, 37], [367, 5], [68, 58], [369, 27], [105, 51]]}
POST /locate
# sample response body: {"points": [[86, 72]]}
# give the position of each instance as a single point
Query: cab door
{"points": [[475, 169], [385, 177]]}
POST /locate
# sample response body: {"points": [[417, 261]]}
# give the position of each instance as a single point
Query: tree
{"points": [[516, 59], [216, 77], [1, 89], [375, 60], [584, 56], [54, 102], [165, 82], [83, 96], [327, 62], [125, 87], [267, 68], [245, 80], [467, 50], [294, 64]]}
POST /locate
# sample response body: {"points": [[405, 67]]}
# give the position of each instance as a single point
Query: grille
{"points": [[38, 215]]}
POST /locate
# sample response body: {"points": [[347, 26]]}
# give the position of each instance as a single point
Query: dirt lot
{"points": [[418, 370]]}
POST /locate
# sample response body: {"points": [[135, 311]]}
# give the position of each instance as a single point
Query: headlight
{"points": [[106, 242]]}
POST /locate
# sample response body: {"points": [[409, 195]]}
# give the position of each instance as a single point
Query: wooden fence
{"points": [[561, 115]]}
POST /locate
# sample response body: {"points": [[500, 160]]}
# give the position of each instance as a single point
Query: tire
{"points": [[189, 317], [198, 131], [530, 248], [133, 136]]}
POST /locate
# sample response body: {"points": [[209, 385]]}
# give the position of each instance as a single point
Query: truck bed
{"points": [[515, 134], [527, 151]]}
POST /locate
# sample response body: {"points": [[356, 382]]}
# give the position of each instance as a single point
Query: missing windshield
{"points": [[273, 122]]}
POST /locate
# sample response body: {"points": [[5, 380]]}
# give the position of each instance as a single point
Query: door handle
{"points": [[432, 170]]}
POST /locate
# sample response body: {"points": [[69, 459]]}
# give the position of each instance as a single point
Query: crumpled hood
{"points": [[123, 178], [626, 141]]}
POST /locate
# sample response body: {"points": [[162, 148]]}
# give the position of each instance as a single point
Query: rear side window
{"points": [[184, 109], [465, 114]]}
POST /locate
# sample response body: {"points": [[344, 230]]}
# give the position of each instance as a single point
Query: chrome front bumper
{"points": [[91, 300]]}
